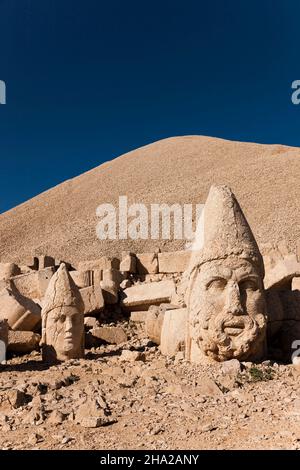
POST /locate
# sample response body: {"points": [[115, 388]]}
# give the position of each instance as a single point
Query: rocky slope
{"points": [[62, 221]]}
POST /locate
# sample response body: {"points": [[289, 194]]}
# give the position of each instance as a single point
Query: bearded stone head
{"points": [[226, 303]]}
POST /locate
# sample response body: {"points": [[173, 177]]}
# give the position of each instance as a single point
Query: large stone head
{"points": [[62, 319], [225, 294]]}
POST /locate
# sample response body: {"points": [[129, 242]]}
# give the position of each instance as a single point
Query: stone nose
{"points": [[68, 324], [233, 300]]}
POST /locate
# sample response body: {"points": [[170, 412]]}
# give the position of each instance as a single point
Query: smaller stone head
{"points": [[227, 314], [62, 319]]}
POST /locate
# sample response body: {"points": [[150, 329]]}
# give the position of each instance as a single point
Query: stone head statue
{"points": [[62, 319], [225, 294]]}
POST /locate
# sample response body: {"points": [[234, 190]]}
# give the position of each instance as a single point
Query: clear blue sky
{"points": [[88, 80]]}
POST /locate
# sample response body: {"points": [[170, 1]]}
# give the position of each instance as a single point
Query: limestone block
{"points": [[281, 265], [175, 262], [44, 277], [147, 263], [112, 275], [132, 356], [141, 296], [34, 284], [110, 292], [90, 323], [20, 312], [97, 277], [22, 342], [128, 264], [281, 271], [173, 331], [82, 278], [92, 299], [111, 335], [138, 317], [101, 263], [154, 322]]}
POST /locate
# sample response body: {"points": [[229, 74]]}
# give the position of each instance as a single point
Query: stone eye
{"points": [[248, 285], [216, 284], [63, 318]]}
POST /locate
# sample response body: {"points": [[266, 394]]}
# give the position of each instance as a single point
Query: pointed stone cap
{"points": [[61, 292], [224, 231]]}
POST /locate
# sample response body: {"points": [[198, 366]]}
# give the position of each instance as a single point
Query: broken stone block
{"points": [[175, 262], [141, 296], [27, 284], [128, 263], [21, 312], [112, 275], [97, 277], [16, 398], [280, 270], [147, 263], [56, 417], [296, 283], [34, 284], [23, 342], [154, 322], [8, 270], [132, 356], [138, 317], [44, 277], [110, 292], [101, 263], [90, 323], [93, 300], [82, 279], [111, 335], [3, 340], [173, 331], [231, 367], [91, 413], [91, 422]]}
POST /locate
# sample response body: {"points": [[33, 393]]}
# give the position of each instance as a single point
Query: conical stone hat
{"points": [[61, 292], [223, 231]]}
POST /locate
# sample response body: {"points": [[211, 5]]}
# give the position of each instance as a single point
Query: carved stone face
{"points": [[64, 333], [227, 310]]}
